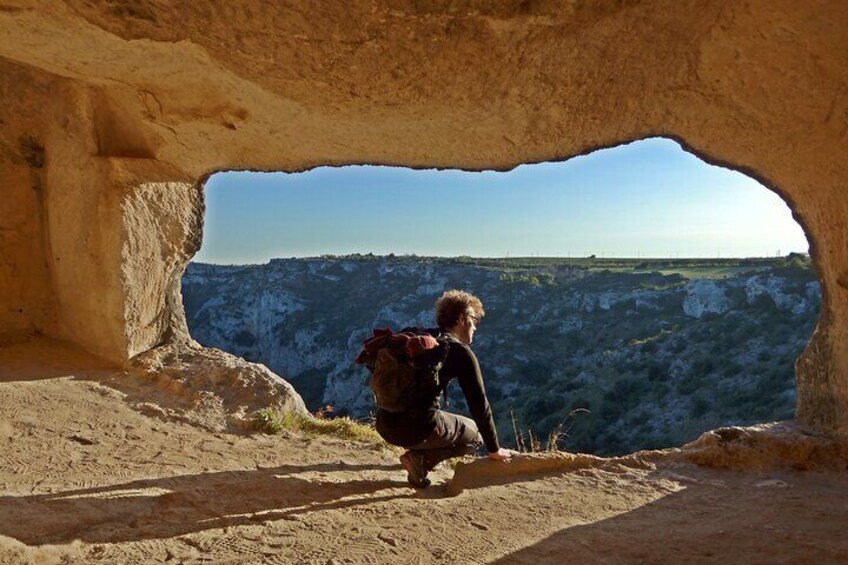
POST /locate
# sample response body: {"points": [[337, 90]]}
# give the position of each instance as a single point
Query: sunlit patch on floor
{"points": [[118, 493]]}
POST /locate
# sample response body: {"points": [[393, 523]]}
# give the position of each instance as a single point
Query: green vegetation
{"points": [[533, 279], [697, 268], [649, 377]]}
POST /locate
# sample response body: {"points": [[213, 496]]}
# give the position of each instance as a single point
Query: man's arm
{"points": [[471, 382]]}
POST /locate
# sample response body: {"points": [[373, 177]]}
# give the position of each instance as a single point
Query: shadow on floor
{"points": [[173, 506], [800, 520], [32, 357]]}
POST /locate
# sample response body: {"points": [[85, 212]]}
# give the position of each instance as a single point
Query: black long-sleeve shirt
{"points": [[413, 426]]}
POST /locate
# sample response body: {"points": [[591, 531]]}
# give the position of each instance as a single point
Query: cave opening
{"points": [[636, 296]]}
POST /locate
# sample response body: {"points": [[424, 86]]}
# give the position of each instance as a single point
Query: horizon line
{"points": [[595, 257]]}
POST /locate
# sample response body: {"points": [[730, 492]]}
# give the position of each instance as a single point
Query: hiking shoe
{"points": [[416, 472]]}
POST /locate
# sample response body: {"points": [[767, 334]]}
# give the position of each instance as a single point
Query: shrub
{"points": [[640, 418], [700, 405], [244, 339], [536, 373], [267, 421], [690, 384], [658, 442], [494, 394], [627, 392], [703, 366], [678, 347], [660, 390], [656, 372], [729, 367]]}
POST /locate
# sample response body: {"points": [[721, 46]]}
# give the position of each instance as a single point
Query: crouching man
{"points": [[430, 434]]}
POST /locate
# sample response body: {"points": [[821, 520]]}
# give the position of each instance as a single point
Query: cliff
{"points": [[656, 358]]}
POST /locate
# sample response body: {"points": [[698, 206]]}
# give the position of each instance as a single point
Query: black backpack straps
{"points": [[445, 341]]}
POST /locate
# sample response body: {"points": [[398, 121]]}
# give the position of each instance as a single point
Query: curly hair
{"points": [[453, 304]]}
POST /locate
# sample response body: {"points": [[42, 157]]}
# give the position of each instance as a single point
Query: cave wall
{"points": [[136, 102], [27, 302], [88, 217]]}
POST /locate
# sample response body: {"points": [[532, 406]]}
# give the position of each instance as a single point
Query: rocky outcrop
{"points": [[768, 446], [762, 448], [704, 296], [113, 112], [485, 472], [207, 387], [773, 288]]}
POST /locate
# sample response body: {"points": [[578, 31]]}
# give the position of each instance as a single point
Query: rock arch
{"points": [[114, 111]]}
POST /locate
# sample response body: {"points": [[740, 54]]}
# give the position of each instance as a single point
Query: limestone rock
{"points": [[485, 472], [773, 287], [209, 387], [704, 296], [768, 446]]}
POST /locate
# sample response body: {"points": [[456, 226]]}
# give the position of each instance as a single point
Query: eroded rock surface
{"points": [[705, 297], [209, 387]]}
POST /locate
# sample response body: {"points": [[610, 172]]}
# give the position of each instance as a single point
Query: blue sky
{"points": [[645, 199]]}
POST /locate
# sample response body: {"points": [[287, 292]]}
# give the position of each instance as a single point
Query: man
{"points": [[430, 434]]}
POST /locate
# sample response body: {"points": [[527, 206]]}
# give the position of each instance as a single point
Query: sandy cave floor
{"points": [[85, 478]]}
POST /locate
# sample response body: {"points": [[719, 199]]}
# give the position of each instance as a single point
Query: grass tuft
{"points": [[532, 444], [273, 421]]}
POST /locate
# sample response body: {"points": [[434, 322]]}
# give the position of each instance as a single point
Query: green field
{"points": [[688, 268]]}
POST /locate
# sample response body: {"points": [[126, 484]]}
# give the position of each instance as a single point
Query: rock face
{"points": [[705, 296], [113, 112]]}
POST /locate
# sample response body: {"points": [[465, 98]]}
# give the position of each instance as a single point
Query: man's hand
{"points": [[502, 454]]}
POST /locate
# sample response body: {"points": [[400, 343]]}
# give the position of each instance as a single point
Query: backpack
{"points": [[404, 367]]}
